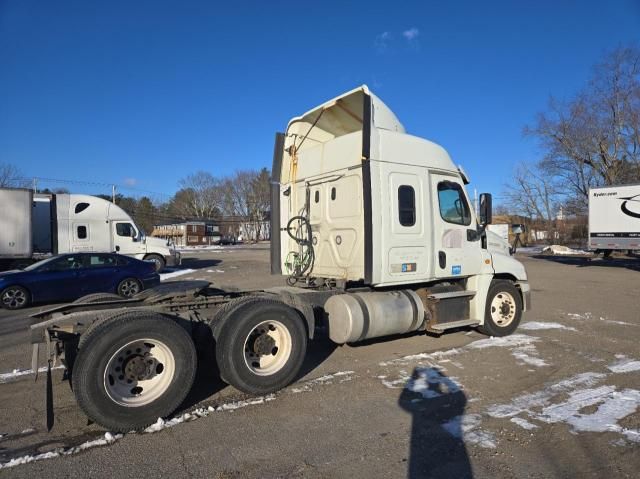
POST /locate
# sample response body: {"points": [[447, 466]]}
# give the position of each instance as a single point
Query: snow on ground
{"points": [[18, 461], [173, 274], [624, 365], [465, 427], [563, 250], [529, 249], [17, 373], [576, 402], [431, 383], [522, 347], [215, 271], [193, 415], [589, 316], [192, 249], [536, 325]]}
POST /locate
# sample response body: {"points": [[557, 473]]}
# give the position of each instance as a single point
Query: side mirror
{"points": [[486, 214], [133, 234]]}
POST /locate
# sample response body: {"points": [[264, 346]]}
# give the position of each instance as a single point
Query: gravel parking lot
{"points": [[560, 398]]}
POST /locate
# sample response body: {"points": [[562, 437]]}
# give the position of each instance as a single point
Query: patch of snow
{"points": [[17, 373], [173, 274], [588, 316], [563, 250], [465, 427], [577, 403], [512, 341], [18, 461], [193, 249], [431, 383], [523, 423], [579, 316], [624, 365], [436, 356], [537, 325], [522, 347]]}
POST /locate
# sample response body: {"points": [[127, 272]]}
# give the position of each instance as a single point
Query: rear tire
{"points": [[132, 369], [503, 310], [98, 298], [260, 345], [129, 287], [15, 297]]}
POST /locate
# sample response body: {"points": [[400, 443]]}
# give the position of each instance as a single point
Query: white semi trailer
{"points": [[614, 218], [37, 225], [372, 228]]}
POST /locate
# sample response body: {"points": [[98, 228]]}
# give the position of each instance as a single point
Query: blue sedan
{"points": [[69, 276]]}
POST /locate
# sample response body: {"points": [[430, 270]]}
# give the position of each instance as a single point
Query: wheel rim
{"points": [[139, 372], [14, 298], [267, 348], [503, 309], [129, 287]]}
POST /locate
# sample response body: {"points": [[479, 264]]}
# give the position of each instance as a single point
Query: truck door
{"points": [[457, 245], [125, 238]]}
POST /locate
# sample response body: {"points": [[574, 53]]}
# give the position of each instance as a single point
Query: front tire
{"points": [[158, 261], [15, 297], [132, 369], [260, 345], [503, 311], [129, 287]]}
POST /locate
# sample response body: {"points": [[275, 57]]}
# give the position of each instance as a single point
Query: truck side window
{"points": [[124, 229], [80, 207], [406, 205], [453, 204], [82, 232]]}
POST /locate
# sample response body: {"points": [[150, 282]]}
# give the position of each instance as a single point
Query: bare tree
{"points": [[536, 195], [200, 196], [246, 196], [594, 139], [10, 177]]}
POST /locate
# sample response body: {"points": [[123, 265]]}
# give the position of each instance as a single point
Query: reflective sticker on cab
{"points": [[456, 269]]}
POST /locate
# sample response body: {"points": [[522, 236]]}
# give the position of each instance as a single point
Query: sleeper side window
{"points": [[453, 203], [406, 205], [81, 232]]}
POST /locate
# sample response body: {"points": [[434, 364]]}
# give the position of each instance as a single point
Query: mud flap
{"points": [[49, 398]]}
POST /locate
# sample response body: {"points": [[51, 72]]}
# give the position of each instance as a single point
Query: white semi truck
{"points": [[36, 225], [372, 228], [614, 218]]}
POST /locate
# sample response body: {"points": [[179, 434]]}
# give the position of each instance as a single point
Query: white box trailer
{"points": [[614, 218], [15, 223]]}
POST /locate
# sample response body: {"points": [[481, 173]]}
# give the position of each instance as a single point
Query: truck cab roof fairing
{"points": [[340, 116]]}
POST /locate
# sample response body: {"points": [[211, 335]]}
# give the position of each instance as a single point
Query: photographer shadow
{"points": [[436, 404]]}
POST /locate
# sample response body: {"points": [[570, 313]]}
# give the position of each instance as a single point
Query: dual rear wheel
{"points": [[137, 366]]}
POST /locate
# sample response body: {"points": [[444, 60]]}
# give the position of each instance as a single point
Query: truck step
{"points": [[454, 324], [452, 294]]}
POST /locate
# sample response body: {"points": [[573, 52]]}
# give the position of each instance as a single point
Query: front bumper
{"points": [[173, 260], [525, 289]]}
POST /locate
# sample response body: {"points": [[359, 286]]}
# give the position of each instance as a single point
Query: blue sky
{"points": [[143, 93]]}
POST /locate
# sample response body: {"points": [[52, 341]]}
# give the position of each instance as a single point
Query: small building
{"points": [[189, 233]]}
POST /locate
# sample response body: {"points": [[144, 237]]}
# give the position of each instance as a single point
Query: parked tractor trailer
{"points": [[614, 218], [374, 232], [33, 226]]}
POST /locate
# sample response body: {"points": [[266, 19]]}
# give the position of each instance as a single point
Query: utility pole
{"points": [[35, 185], [113, 194]]}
